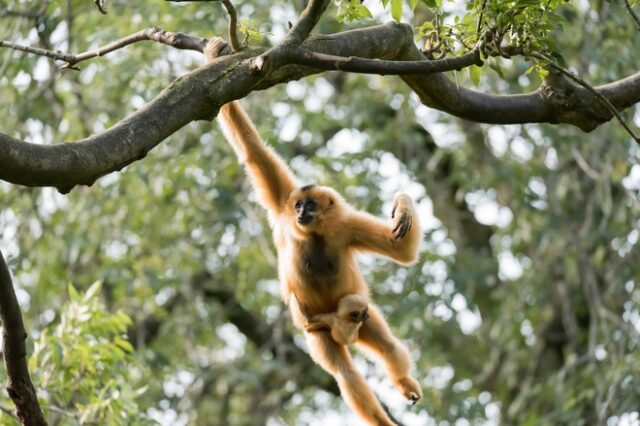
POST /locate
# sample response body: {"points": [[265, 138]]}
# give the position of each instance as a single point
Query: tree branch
{"points": [[100, 4], [176, 40], [590, 88], [199, 94], [632, 13], [233, 25], [301, 56], [19, 387], [308, 20]]}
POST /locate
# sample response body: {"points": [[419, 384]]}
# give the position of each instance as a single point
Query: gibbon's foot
{"points": [[410, 388], [402, 216]]}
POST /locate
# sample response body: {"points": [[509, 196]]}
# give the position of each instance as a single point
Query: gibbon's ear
{"points": [[330, 202]]}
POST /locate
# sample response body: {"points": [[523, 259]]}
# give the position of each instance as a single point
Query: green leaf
{"points": [[396, 9], [364, 12], [497, 69], [413, 4], [124, 344], [250, 30], [542, 73], [92, 291], [73, 293], [475, 72]]}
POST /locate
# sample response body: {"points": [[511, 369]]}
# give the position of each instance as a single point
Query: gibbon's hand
{"points": [[402, 215], [216, 47], [316, 326]]}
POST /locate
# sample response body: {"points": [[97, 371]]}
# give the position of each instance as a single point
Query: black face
{"points": [[357, 316], [304, 211]]}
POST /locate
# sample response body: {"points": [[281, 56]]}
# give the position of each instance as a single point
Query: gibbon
{"points": [[317, 235], [345, 322]]}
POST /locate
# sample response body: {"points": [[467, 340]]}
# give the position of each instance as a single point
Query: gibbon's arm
{"points": [[270, 176], [397, 239]]}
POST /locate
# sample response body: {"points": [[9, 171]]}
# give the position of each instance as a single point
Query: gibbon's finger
{"points": [[396, 230], [403, 226], [313, 327], [393, 209]]}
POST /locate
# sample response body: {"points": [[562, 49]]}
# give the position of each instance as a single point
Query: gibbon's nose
{"points": [[305, 219]]}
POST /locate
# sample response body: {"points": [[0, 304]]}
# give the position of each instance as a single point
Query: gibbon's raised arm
{"points": [[397, 239], [270, 176]]}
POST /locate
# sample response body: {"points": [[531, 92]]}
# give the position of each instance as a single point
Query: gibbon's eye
{"points": [[310, 205], [298, 205], [354, 315]]}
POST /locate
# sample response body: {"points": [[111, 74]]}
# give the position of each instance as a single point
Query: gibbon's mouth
{"points": [[304, 220]]}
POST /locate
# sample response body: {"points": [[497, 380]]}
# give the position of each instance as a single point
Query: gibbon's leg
{"points": [[269, 175], [398, 239], [336, 360], [376, 338]]}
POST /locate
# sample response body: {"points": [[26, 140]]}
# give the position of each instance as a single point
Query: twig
{"points": [[322, 61], [308, 20], [294, 38], [233, 25], [101, 5], [177, 40], [233, 20], [632, 13], [479, 27], [590, 88], [19, 386]]}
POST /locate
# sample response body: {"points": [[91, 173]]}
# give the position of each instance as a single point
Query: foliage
{"points": [[86, 365]]}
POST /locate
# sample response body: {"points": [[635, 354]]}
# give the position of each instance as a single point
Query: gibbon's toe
{"points": [[411, 390]]}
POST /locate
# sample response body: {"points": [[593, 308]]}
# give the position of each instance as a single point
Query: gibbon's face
{"points": [[310, 203], [354, 308]]}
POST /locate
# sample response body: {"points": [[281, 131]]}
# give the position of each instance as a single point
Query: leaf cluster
{"points": [[86, 365]]}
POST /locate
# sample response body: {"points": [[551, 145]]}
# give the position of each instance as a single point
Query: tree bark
{"points": [[20, 387]]}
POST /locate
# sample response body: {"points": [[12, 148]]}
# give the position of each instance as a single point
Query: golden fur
{"points": [[317, 264]]}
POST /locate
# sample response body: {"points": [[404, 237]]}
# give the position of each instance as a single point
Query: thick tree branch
{"points": [[193, 97], [199, 94], [20, 387]]}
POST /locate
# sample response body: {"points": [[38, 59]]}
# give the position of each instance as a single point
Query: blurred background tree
{"points": [[523, 309]]}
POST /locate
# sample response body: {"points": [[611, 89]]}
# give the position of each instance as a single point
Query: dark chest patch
{"points": [[317, 265]]}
